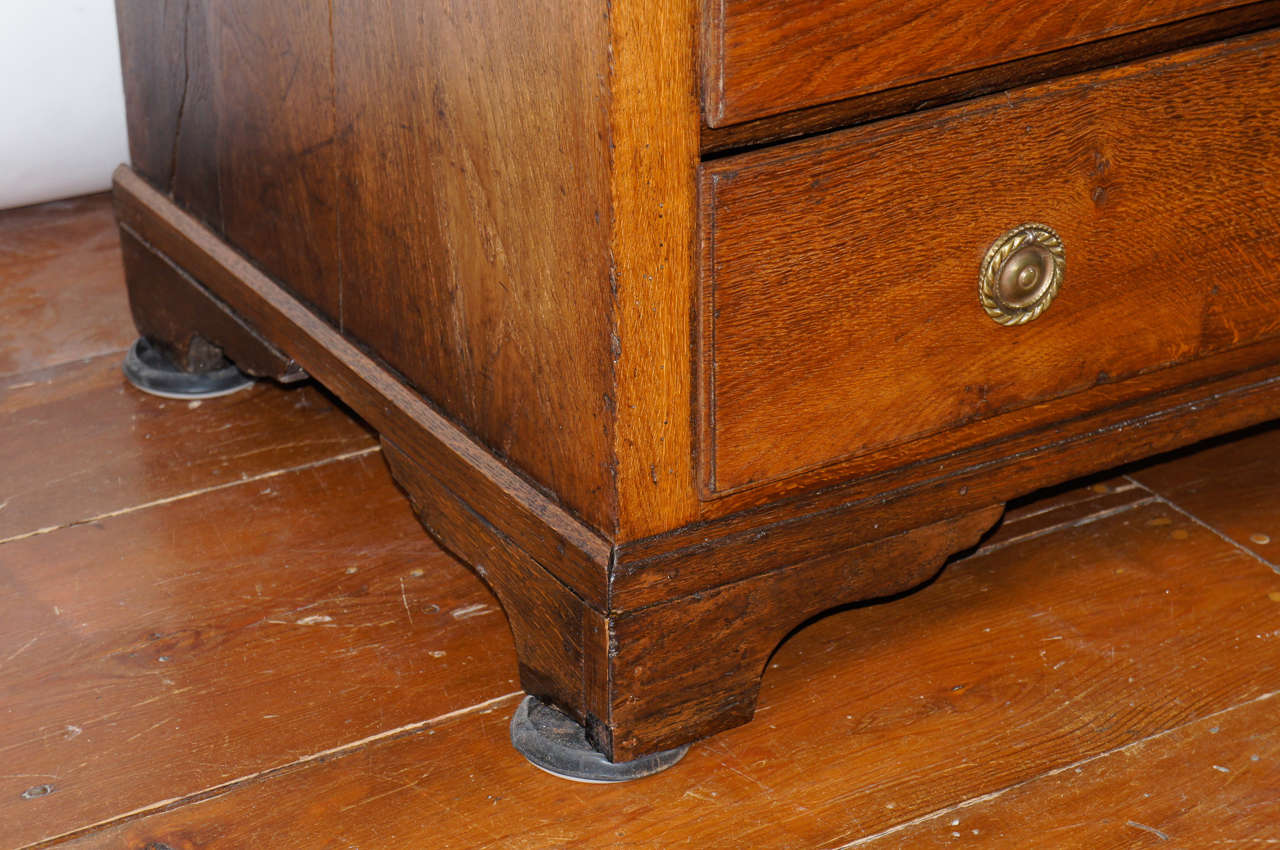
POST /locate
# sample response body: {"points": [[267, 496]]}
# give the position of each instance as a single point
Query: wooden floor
{"points": [[221, 627]]}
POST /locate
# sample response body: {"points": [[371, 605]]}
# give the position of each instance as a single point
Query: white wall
{"points": [[62, 125]]}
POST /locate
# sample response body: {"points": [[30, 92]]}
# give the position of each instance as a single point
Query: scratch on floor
{"points": [[467, 611], [151, 728], [21, 649], [1163, 836], [404, 597]]}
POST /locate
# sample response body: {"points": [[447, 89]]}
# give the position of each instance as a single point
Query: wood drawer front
{"points": [[840, 309], [764, 57]]}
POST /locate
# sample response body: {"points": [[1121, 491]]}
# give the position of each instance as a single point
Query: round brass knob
{"points": [[1021, 274]]}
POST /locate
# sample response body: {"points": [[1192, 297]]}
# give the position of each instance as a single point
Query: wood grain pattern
{"points": [[442, 162], [77, 442], [62, 293], [654, 124], [686, 668], [475, 206], [1010, 665], [1127, 47], [770, 56], [824, 255], [1061, 507], [479, 233], [547, 620], [867, 718], [271, 65], [156, 654], [171, 103], [517, 513]]}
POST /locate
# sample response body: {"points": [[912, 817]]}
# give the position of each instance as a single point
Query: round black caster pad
{"points": [[557, 743], [150, 370]]}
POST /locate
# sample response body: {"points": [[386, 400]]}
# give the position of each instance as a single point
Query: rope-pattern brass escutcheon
{"points": [[1021, 274]]}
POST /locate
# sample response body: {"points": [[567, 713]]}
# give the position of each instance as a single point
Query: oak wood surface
{"points": [[478, 486], [476, 205], [1028, 660], [688, 667], [548, 621], [273, 106], [682, 667], [1126, 47], [170, 77], [444, 163], [823, 256], [735, 545], [1074, 503], [653, 248], [770, 56], [61, 287]]}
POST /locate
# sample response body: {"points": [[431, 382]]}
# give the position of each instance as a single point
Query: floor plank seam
{"points": [[1063, 526], [1225, 538], [992, 795], [275, 473], [1057, 506], [340, 751], [17, 380]]}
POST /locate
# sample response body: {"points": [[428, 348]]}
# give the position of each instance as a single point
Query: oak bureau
{"points": [[683, 321]]}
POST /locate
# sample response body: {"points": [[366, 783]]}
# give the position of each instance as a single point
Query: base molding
{"points": [[660, 676]]}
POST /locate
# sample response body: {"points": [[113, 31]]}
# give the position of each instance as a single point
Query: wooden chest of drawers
{"points": [[685, 321]]}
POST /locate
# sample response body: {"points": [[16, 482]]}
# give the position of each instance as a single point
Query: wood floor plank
{"points": [[62, 293], [1231, 484], [1073, 503], [77, 442], [167, 650], [1010, 665], [1212, 783]]}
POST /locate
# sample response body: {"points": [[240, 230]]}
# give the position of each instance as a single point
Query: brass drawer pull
{"points": [[1021, 274]]}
